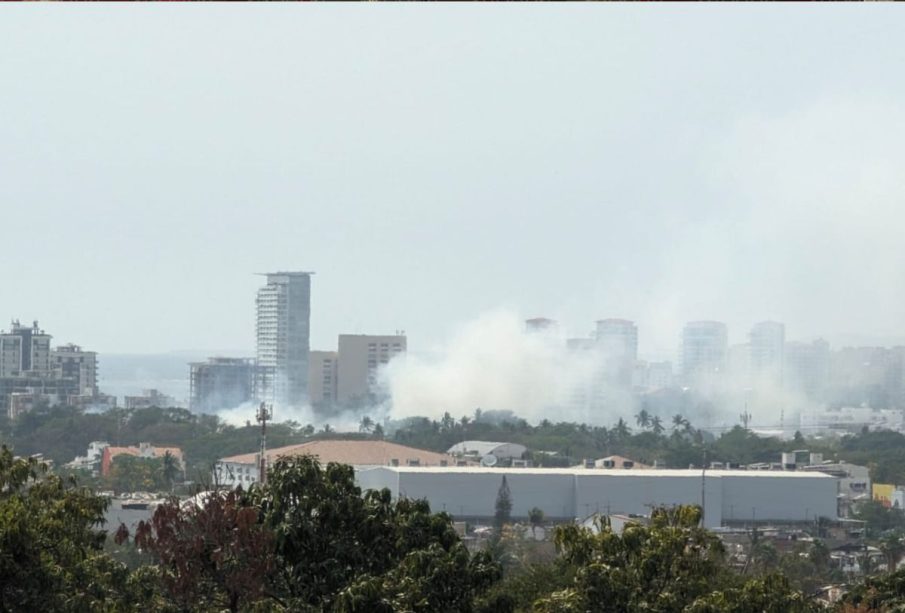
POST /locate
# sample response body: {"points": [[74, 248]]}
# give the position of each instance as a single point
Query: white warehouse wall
{"points": [[797, 496], [635, 492], [474, 494], [565, 494]]}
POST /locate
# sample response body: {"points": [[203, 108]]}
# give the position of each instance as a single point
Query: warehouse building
{"points": [[565, 494], [245, 469]]}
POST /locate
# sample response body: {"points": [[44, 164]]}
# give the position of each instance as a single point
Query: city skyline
{"points": [[735, 165]]}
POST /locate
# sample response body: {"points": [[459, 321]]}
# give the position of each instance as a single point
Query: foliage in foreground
{"points": [[309, 540], [51, 555]]}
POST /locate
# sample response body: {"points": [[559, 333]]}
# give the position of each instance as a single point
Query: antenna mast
{"points": [[264, 413]]}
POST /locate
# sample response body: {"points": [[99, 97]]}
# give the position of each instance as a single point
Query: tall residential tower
{"points": [[283, 332], [768, 339], [704, 352], [617, 339]]}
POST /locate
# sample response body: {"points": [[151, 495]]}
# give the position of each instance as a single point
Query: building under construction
{"points": [[221, 383]]}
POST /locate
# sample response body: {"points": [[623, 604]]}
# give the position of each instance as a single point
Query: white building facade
{"points": [[283, 338], [567, 494]]}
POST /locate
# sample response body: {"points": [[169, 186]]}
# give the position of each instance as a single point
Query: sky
{"points": [[435, 163]]}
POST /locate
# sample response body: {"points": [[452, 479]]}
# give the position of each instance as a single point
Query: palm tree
{"points": [[621, 430], [366, 425], [447, 423], [893, 548], [643, 418], [656, 425], [678, 422], [169, 469]]}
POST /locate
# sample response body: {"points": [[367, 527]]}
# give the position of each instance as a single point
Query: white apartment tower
{"points": [[704, 349], [283, 331], [617, 340], [768, 339]]}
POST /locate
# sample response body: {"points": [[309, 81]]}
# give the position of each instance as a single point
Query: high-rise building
{"points": [[539, 324], [768, 339], [703, 355], [72, 362], [283, 332], [221, 383], [359, 358], [31, 374], [807, 367], [24, 350], [652, 376], [617, 340], [322, 377]]}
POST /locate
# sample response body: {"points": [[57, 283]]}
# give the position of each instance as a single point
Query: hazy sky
{"points": [[434, 163]]}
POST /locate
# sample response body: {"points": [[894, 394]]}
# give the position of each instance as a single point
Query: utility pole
{"points": [[264, 413]]}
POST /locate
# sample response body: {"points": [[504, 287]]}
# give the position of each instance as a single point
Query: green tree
{"points": [[661, 567], [878, 518], [169, 469], [770, 594], [503, 506], [337, 547], [536, 517], [656, 425], [621, 430], [883, 593], [130, 474], [51, 555], [892, 547]]}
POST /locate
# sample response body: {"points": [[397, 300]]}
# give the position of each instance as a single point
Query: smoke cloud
{"points": [[492, 363]]}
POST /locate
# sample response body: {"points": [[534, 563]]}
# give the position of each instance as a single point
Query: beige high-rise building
{"points": [[72, 362], [322, 379], [359, 360]]}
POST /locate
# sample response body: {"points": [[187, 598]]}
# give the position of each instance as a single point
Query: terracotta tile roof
{"points": [[356, 453]]}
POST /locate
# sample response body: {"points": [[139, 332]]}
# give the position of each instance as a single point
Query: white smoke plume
{"points": [[492, 363], [244, 414]]}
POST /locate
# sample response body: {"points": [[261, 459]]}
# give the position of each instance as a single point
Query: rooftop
{"points": [[354, 452], [614, 472], [297, 273], [479, 447]]}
